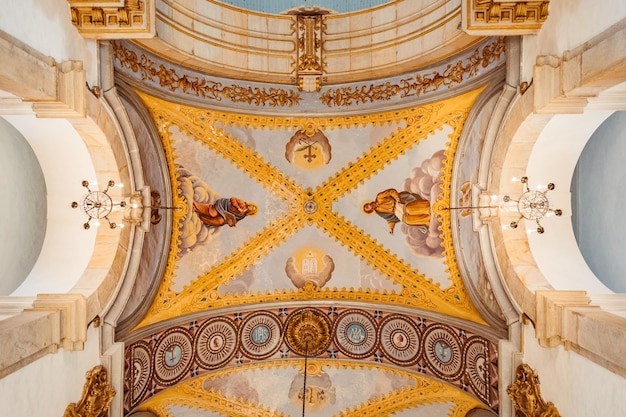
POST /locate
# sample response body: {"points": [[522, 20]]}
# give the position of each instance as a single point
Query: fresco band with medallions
{"points": [[334, 336]]}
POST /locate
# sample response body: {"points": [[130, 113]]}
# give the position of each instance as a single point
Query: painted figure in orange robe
{"points": [[224, 211], [395, 207]]}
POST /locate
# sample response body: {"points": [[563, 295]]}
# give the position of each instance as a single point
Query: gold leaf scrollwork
{"points": [[526, 395], [200, 87], [420, 84], [308, 332], [96, 398]]}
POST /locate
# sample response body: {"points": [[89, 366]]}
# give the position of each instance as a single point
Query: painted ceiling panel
{"points": [[311, 229], [273, 249]]}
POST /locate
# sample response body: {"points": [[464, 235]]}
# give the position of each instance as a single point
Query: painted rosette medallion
{"points": [[355, 334], [477, 364], [260, 335], [140, 368], [400, 340], [173, 355], [443, 351], [216, 342]]}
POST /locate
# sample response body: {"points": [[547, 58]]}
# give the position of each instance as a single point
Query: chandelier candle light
{"points": [[531, 205], [99, 204]]}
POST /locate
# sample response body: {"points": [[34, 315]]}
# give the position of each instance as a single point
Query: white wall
{"points": [[46, 26], [46, 387], [577, 386], [65, 162]]}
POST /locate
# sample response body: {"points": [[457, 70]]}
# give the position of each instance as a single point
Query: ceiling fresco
{"points": [[311, 238], [311, 243]]}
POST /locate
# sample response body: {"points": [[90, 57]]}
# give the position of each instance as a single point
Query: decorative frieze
{"points": [[174, 81], [420, 83]]}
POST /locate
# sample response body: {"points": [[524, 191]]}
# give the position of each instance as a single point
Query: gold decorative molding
{"points": [[418, 84], [201, 87], [310, 61], [96, 398], [526, 395], [505, 18], [121, 19]]}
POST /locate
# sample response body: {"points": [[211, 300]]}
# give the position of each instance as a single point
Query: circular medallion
{"points": [[443, 351], [355, 334], [400, 340], [140, 369], [477, 360], [308, 332], [172, 356], [216, 342], [310, 207], [260, 335]]}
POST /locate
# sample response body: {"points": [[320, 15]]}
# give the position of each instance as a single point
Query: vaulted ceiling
{"points": [[311, 290]]}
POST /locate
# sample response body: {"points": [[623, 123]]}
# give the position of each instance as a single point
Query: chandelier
{"points": [[97, 205], [533, 205], [530, 205]]}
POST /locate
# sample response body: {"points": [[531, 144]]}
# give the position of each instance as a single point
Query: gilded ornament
{"points": [[493, 11], [420, 84], [310, 66], [308, 332], [526, 395], [104, 20], [96, 398], [496, 17], [201, 87]]}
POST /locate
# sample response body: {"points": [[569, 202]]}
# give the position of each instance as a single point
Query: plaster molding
{"points": [[569, 81], [52, 321], [71, 328], [552, 326], [70, 99], [54, 89]]}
